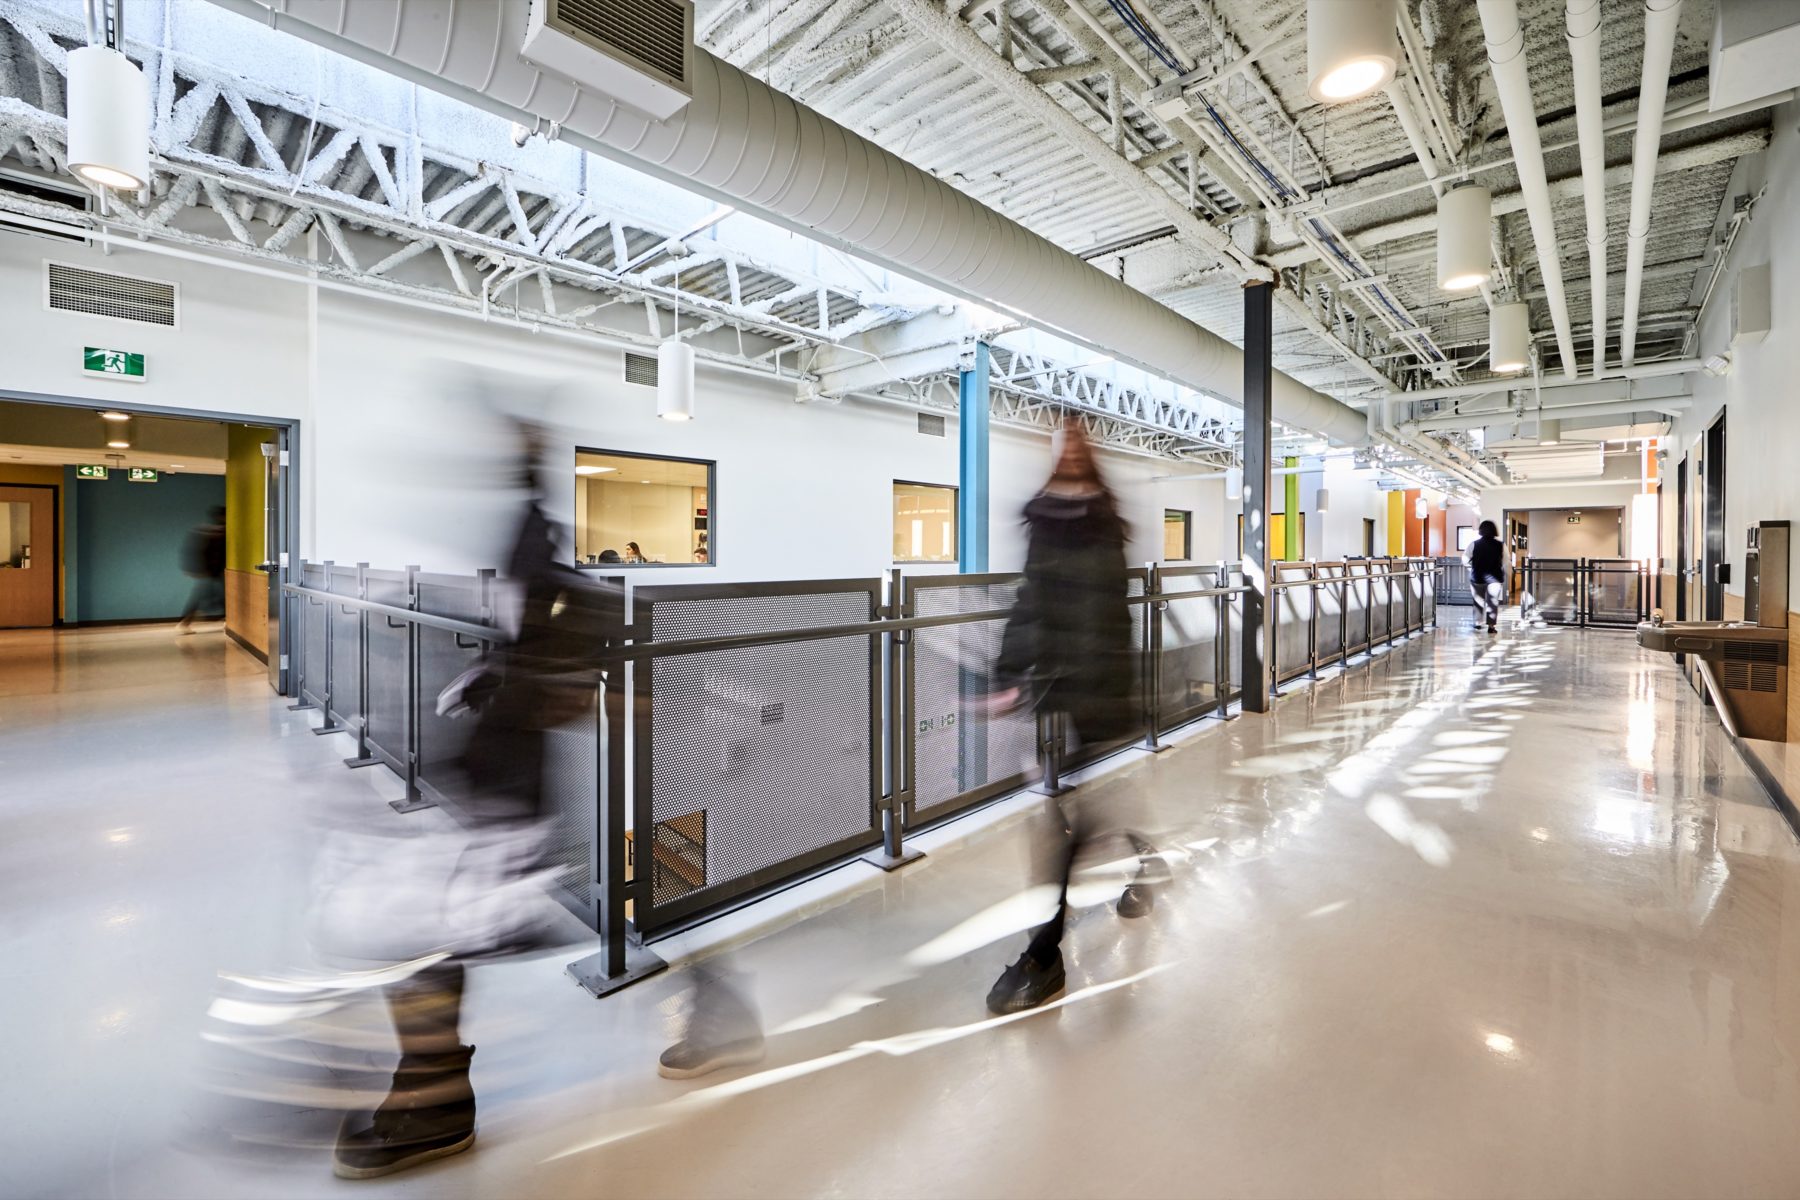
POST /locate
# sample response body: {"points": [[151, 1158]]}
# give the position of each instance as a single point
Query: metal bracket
{"points": [[590, 972]]}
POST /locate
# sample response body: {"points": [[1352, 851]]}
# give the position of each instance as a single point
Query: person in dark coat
{"points": [[203, 561], [544, 677], [1068, 650], [1487, 572]]}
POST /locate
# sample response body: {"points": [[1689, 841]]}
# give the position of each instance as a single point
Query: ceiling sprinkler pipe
{"points": [[1660, 20], [1583, 23]]}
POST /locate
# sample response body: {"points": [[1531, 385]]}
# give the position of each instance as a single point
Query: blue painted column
{"points": [[972, 437]]}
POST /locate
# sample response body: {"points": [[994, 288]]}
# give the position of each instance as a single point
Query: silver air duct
{"points": [[745, 144]]}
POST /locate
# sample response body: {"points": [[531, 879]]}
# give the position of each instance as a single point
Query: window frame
{"points": [[956, 530], [1187, 534], [712, 511]]}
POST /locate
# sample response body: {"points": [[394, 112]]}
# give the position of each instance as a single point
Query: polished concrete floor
{"points": [[1482, 917]]}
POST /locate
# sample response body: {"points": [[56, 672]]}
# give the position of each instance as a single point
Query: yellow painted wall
{"points": [[245, 478], [1396, 524]]}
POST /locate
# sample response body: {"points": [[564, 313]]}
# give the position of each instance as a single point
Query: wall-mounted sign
{"points": [[1575, 520], [115, 364], [90, 471], [142, 475]]}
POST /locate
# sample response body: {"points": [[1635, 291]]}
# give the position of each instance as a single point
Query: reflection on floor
{"points": [[1484, 917]]}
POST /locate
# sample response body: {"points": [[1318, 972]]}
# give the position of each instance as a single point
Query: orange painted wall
{"points": [[1415, 528], [1437, 526]]}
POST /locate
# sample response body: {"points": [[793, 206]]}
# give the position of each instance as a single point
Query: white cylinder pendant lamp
{"points": [[109, 118], [1509, 337], [1464, 216], [675, 381], [1352, 48]]}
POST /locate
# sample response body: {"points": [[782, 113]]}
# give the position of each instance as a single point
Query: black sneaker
{"points": [[1026, 984], [1138, 900]]}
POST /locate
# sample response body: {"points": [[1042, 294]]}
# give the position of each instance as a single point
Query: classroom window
{"points": [[924, 522], [1178, 535], [636, 510], [1465, 537]]}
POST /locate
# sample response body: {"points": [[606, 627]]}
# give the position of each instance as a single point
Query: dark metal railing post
{"points": [[329, 696], [1344, 617], [1369, 612], [359, 724], [1050, 754], [1312, 622], [617, 963], [413, 800], [892, 800], [1272, 598], [1222, 645], [297, 648], [1151, 676]]}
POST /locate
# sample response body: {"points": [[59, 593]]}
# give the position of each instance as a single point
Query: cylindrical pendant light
{"points": [[1352, 48], [675, 381], [109, 118], [1509, 337], [1549, 431], [1464, 215]]}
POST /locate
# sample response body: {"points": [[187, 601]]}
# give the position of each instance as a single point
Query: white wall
{"points": [[400, 463], [1354, 497], [1763, 426]]}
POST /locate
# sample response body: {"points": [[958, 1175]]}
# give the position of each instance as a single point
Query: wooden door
{"points": [[27, 557]]}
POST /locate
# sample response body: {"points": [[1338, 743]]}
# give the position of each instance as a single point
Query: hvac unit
{"points": [[73, 289], [638, 52]]}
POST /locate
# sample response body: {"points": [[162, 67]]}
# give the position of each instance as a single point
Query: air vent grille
{"points": [[103, 294], [1753, 651], [654, 32], [44, 193], [931, 425], [1749, 676], [640, 368]]}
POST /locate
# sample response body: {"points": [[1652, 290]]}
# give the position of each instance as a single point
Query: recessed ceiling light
{"points": [[585, 469], [117, 445], [114, 415]]}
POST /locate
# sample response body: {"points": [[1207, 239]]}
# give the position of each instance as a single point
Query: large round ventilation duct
{"points": [[748, 145]]}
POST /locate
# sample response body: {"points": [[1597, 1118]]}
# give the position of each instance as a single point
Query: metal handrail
{"points": [[639, 651]]}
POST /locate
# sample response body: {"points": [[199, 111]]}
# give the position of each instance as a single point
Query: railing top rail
{"points": [[651, 650]]}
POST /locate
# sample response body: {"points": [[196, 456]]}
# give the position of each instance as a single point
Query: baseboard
{"points": [[120, 622], [259, 655]]}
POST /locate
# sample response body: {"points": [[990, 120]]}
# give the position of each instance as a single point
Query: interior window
{"points": [[1178, 544], [638, 511], [924, 523]]}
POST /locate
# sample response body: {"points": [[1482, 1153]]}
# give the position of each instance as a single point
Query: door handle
{"points": [[268, 568]]}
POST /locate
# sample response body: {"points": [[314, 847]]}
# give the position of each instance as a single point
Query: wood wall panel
{"points": [[247, 608]]}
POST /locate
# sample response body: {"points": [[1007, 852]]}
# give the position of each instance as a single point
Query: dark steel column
{"points": [[1259, 380]]}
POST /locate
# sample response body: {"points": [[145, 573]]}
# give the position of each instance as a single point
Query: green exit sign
{"points": [[90, 471], [142, 475], [116, 364]]}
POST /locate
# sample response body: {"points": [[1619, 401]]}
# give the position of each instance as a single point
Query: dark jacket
{"points": [[1487, 558], [1068, 641], [203, 556]]}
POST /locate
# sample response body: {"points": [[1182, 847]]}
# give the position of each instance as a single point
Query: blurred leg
{"points": [[724, 1028]]}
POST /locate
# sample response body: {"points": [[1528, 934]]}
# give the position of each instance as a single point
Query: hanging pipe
{"points": [[1660, 19]]}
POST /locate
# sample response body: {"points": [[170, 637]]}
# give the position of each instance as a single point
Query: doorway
{"points": [[126, 515]]}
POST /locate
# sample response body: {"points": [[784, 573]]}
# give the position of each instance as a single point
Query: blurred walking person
{"points": [[491, 903], [1068, 649], [203, 561], [1487, 572]]}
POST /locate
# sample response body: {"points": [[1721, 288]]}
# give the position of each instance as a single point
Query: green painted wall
{"points": [[245, 478], [124, 543]]}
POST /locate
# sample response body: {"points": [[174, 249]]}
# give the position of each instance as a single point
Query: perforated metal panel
{"points": [[346, 649], [441, 739], [1615, 592], [1356, 608], [387, 697], [958, 755], [1190, 641], [1136, 584], [1293, 616], [1382, 608], [314, 666], [1331, 612], [1552, 583], [752, 764]]}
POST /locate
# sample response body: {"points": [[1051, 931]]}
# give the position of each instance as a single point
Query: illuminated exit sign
{"points": [[90, 471], [142, 475], [115, 364]]}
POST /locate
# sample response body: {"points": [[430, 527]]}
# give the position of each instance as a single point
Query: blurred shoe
{"points": [[1027, 984], [1138, 900], [689, 1059], [404, 1133]]}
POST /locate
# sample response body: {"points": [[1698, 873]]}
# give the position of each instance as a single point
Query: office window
{"points": [[635, 510], [1465, 537], [924, 522], [1368, 537], [1178, 539]]}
